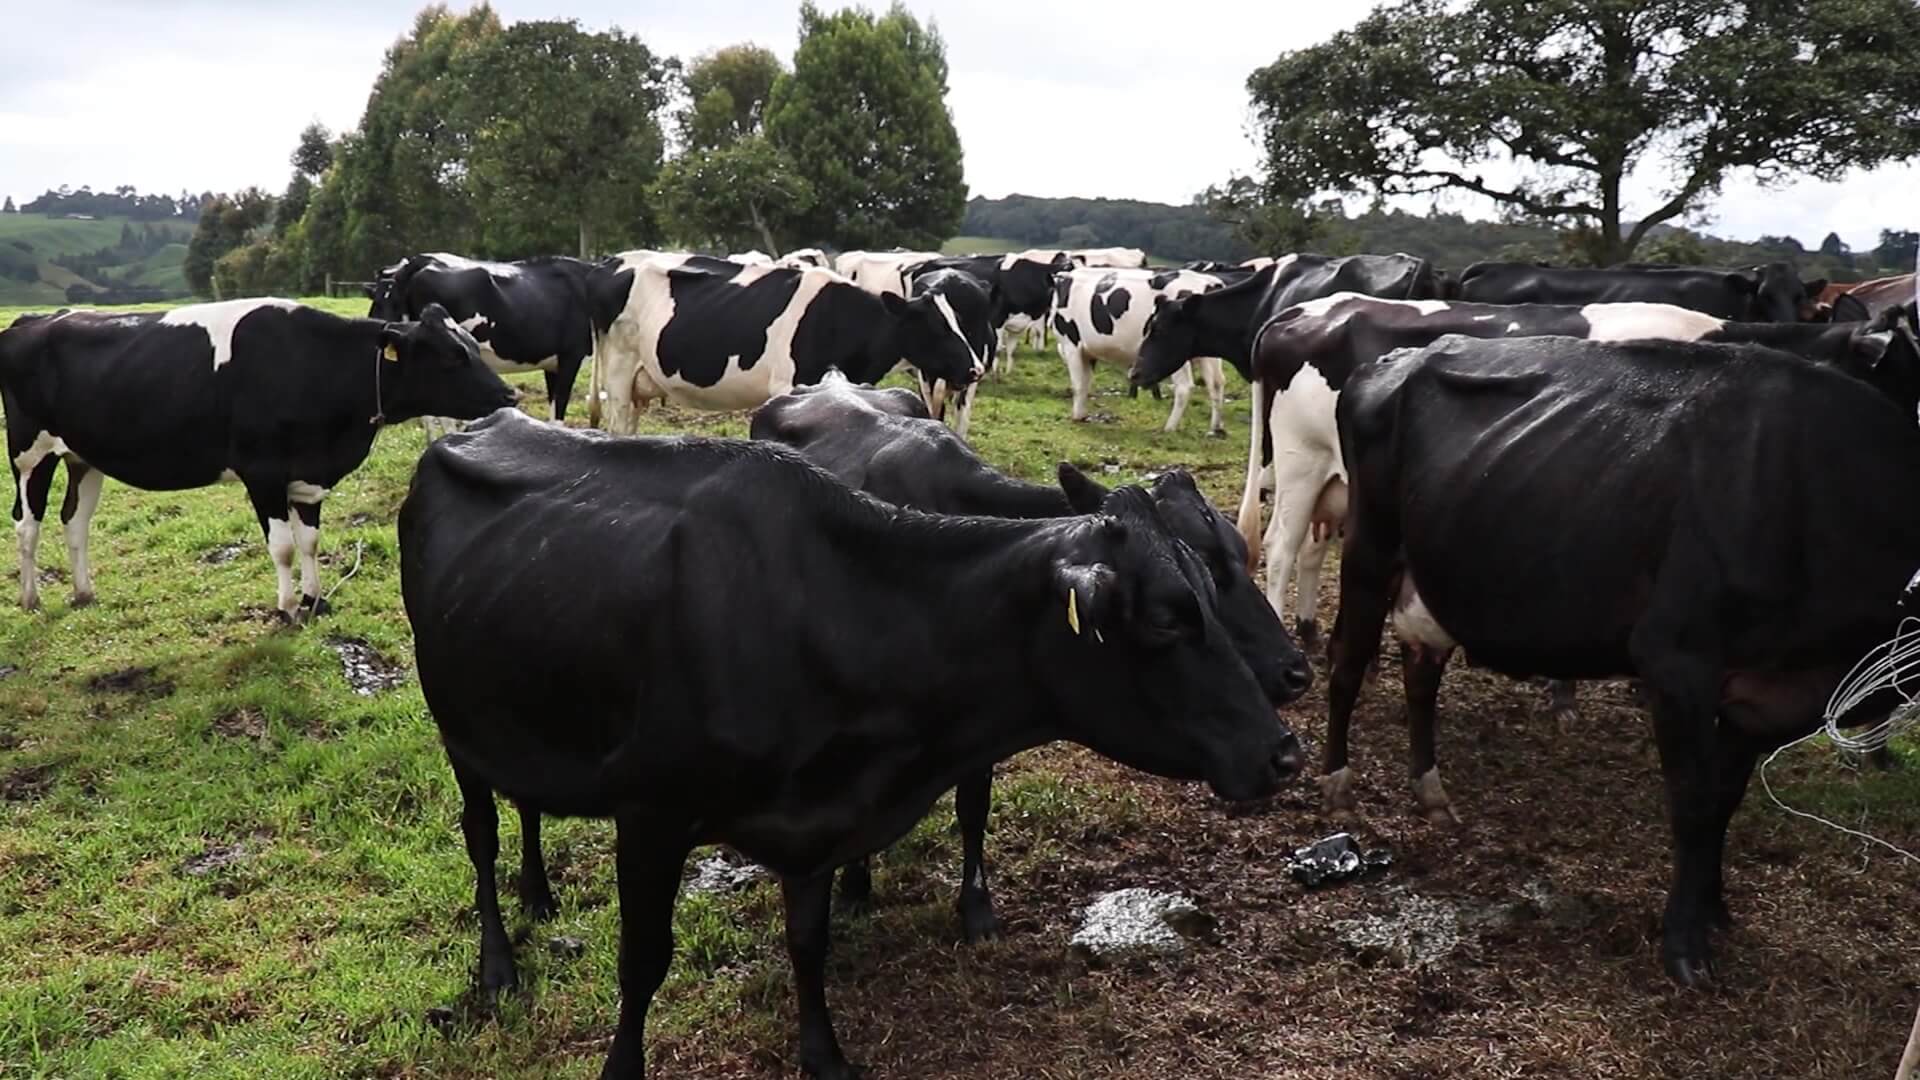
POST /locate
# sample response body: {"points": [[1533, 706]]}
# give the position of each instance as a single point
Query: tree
{"points": [[863, 115], [1572, 97], [226, 223], [7, 207], [1898, 248], [1834, 246], [1268, 227], [744, 194], [727, 92], [1681, 247], [566, 134], [314, 154]]}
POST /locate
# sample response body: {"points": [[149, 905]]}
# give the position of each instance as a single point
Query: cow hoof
{"points": [[978, 925], [1688, 956], [30, 603], [1336, 796], [1434, 804], [82, 599], [1564, 720], [539, 903], [497, 979]]}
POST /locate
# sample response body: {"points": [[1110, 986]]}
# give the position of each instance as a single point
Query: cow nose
{"points": [[1297, 677], [1288, 760]]}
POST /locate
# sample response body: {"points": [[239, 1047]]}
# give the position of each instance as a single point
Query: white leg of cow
{"points": [[26, 532], [1329, 515], [83, 496], [280, 547], [1216, 395], [965, 409], [1249, 520], [305, 502], [1296, 487], [33, 471], [1080, 374], [1182, 393]]}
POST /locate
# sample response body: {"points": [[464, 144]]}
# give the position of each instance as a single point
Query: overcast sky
{"points": [[1052, 97]]}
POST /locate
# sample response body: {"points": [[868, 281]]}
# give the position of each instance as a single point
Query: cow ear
{"points": [[1086, 593], [895, 305], [1849, 308], [1085, 494]]}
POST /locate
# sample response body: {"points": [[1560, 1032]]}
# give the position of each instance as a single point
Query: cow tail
{"points": [[596, 379], [1249, 522]]}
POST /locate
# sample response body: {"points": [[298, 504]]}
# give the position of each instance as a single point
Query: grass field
{"points": [[218, 860], [45, 237]]}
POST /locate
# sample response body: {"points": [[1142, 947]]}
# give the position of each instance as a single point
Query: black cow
{"points": [[542, 314], [1714, 519], [283, 398], [703, 698], [884, 443], [712, 334], [1022, 282], [1223, 322], [1769, 293], [970, 307]]}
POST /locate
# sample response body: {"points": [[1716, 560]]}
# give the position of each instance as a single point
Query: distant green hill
{"points": [[104, 253]]}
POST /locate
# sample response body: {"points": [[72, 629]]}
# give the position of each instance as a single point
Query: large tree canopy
{"points": [[727, 92], [864, 118], [1547, 107]]}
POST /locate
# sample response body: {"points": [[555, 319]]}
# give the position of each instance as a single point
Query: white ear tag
{"points": [[391, 353], [1073, 612]]}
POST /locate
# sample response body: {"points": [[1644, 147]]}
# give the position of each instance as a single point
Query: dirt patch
{"points": [[26, 782], [217, 857], [245, 722], [133, 680], [366, 670], [223, 554]]}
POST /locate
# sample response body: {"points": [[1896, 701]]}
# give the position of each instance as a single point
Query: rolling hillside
{"points": [[30, 244]]}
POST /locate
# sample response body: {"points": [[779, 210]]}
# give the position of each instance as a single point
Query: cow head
{"points": [[1250, 621], [1777, 294], [432, 368], [1171, 340], [921, 331], [1885, 353], [1143, 670]]}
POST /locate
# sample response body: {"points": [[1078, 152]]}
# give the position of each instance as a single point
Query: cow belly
{"points": [[737, 388], [1414, 623], [503, 366]]}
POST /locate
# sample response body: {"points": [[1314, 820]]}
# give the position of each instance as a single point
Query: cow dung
{"points": [[718, 874], [366, 670], [1136, 923]]}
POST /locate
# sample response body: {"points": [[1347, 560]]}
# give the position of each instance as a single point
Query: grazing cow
{"points": [[803, 258], [544, 314], [1022, 286], [1304, 355], [882, 442], [1112, 258], [967, 304], [864, 700], [1769, 293], [1101, 315], [1714, 519], [710, 334], [283, 398]]}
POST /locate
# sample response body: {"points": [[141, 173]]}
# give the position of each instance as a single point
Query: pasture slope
{"points": [[217, 860], [29, 240]]}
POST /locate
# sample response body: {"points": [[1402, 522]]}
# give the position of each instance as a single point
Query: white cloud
{"points": [[1122, 99]]}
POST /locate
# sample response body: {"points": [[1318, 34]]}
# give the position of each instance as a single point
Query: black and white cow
{"points": [[710, 334], [1717, 520], [884, 443], [1101, 316], [968, 305], [1112, 258], [283, 398], [543, 314], [1304, 356], [1769, 293], [881, 272], [802, 258], [599, 671], [1022, 286]]}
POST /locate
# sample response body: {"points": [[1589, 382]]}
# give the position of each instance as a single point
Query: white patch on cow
{"points": [[751, 258], [26, 533], [1306, 465], [461, 262], [1513, 328], [306, 541], [1485, 318], [945, 308], [220, 319], [1414, 623], [280, 547], [1627, 322], [302, 492], [43, 445]]}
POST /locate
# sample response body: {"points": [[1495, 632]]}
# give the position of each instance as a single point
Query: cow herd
{"points": [[794, 644]]}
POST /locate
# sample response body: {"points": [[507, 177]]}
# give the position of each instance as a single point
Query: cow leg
{"points": [[480, 825], [1182, 393], [1080, 374], [1706, 772], [1216, 396], [1421, 668], [270, 505], [1562, 704], [809, 935], [536, 895], [1249, 519], [970, 802], [560, 387], [306, 538], [76, 514], [29, 510], [1296, 487], [856, 888], [965, 410], [1366, 593], [649, 863], [1313, 560]]}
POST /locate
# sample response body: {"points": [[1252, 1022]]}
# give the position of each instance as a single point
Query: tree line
{"points": [[503, 141], [122, 201]]}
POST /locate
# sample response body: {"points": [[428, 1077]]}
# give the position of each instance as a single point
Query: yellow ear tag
{"points": [[391, 353], [1073, 612]]}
